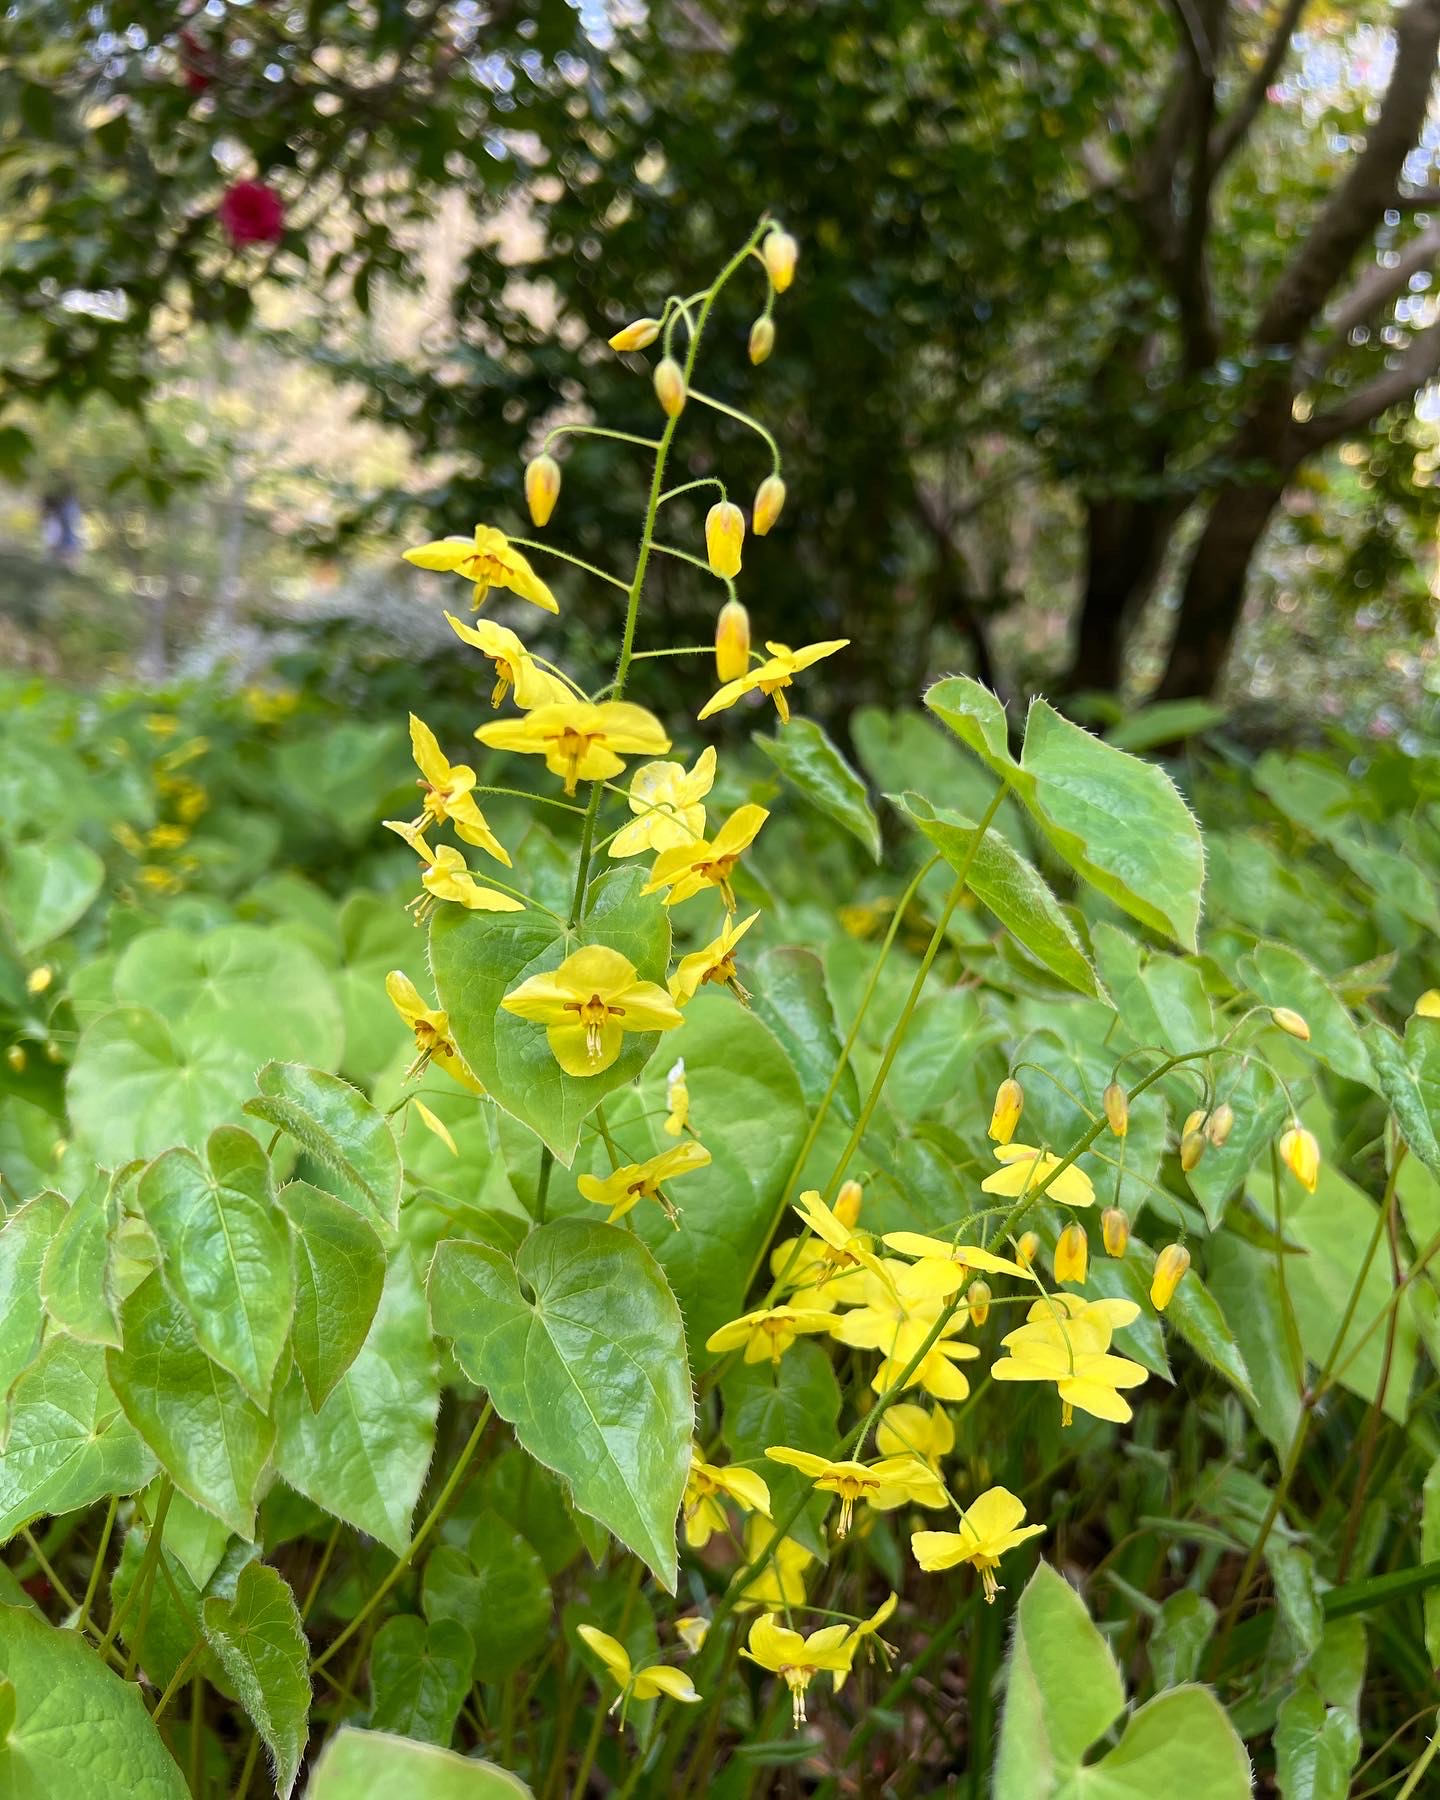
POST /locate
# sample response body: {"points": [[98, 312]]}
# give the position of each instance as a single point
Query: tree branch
{"points": [[1418, 364], [1232, 130], [1372, 290], [1358, 205]]}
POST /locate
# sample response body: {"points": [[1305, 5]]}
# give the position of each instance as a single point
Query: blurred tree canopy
{"points": [[1088, 288]]}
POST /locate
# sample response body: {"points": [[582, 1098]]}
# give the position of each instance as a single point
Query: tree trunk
{"points": [[1214, 594], [1125, 543]]}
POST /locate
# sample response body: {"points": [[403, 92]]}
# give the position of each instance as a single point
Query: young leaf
{"points": [[497, 1590], [24, 1239], [1282, 977], [363, 1765], [337, 1125], [260, 1643], [792, 997], [807, 759], [77, 1281], [419, 1677], [339, 1277], [46, 887], [587, 1361]]}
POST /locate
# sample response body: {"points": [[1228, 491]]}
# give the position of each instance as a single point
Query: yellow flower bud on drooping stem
{"points": [[1194, 1121], [732, 642], [847, 1203], [1220, 1123], [16, 1058], [1005, 1114], [724, 537], [39, 979], [670, 386], [1115, 1229], [1117, 1108], [769, 501], [1192, 1148], [542, 487], [1072, 1253], [53, 1052], [638, 335], [1027, 1249], [1289, 1020], [762, 340], [1301, 1155], [1428, 1005], [1170, 1267], [977, 1298], [780, 251]]}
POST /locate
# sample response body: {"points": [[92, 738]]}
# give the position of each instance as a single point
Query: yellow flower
{"points": [[669, 379], [732, 641], [489, 561], [1117, 1108], [772, 677], [1428, 1005], [638, 335], [965, 1256], [692, 1632], [716, 962], [989, 1526], [542, 487], [902, 1304], [1027, 1249], [433, 1042], [798, 1660], [677, 1099], [1300, 1153], [1067, 1341], [637, 1684], [906, 1429], [515, 667], [1115, 1228], [845, 1248], [1005, 1114], [167, 837], [804, 1270], [1071, 1320], [1025, 1168], [769, 504], [779, 251], [1072, 1253], [706, 1486], [768, 1332], [580, 741], [779, 1578], [39, 979], [445, 876], [724, 538], [447, 793], [689, 868], [1170, 1267], [642, 1181], [892, 1480], [669, 806], [588, 1004]]}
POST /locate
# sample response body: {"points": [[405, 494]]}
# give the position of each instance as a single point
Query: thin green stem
{"points": [[689, 487], [542, 1183], [565, 556], [192, 1656], [67, 1598], [1412, 1782], [521, 794], [601, 431], [312, 1593], [247, 1768], [696, 562], [744, 418], [97, 1567], [146, 1573]]}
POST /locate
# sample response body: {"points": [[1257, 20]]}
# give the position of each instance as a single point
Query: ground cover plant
{"points": [[704, 1264]]}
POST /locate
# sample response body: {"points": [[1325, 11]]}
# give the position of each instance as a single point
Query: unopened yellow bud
{"points": [[542, 487], [39, 979], [724, 537], [1291, 1021], [53, 1052], [1428, 1005], [16, 1058], [1170, 1267], [732, 642], [847, 1203], [769, 501], [1115, 1229], [639, 335], [670, 386], [1192, 1148], [780, 251], [1301, 1156], [1117, 1108], [1027, 1249], [977, 1298], [762, 340], [1194, 1122], [1220, 1123], [1072, 1253], [1005, 1114]]}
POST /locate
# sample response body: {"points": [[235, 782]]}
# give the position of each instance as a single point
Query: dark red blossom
{"points": [[252, 213]]}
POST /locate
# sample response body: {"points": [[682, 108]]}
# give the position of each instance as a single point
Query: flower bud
{"points": [[53, 1052], [732, 642], [16, 1058], [638, 335], [1194, 1122], [1117, 1108], [769, 499], [780, 251], [1292, 1022], [1072, 1253], [762, 340], [724, 537], [542, 487], [39, 979], [1115, 1229], [670, 387], [847, 1203], [1301, 1156], [977, 1298], [1220, 1123], [1027, 1249], [1170, 1267], [1005, 1114], [1428, 1005], [1192, 1148]]}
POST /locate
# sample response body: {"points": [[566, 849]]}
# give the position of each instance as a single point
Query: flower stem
{"points": [[146, 1573]]}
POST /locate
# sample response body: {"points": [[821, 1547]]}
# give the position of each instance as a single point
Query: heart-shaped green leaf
{"points": [[45, 888], [260, 1643], [24, 1240], [419, 1677], [359, 1765], [805, 756], [339, 1276], [337, 1125]]}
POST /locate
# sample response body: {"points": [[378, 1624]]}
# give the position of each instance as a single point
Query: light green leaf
{"points": [[1179, 1636], [79, 1731], [1399, 1082], [375, 936], [77, 1278], [498, 1591], [1429, 1553], [807, 759], [226, 1252], [136, 1086], [478, 958], [587, 1362], [337, 1125], [260, 1643], [24, 1239], [1246, 1287], [68, 1443], [1119, 822], [1261, 1111], [46, 887], [1282, 977], [1002, 880], [1184, 1729], [1292, 1572], [1165, 722], [792, 997], [362, 1765], [1197, 1317], [163, 1629], [1161, 999], [364, 1454], [339, 1277], [210, 1438], [419, 1677], [1316, 1747]]}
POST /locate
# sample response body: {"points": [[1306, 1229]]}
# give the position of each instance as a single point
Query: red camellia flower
{"points": [[252, 213]]}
